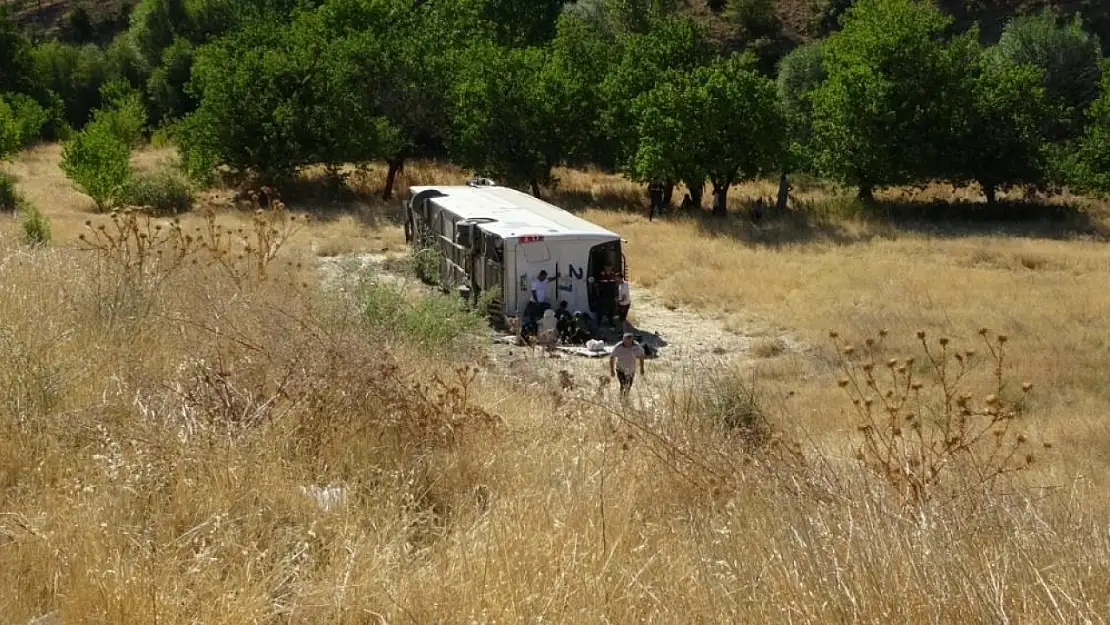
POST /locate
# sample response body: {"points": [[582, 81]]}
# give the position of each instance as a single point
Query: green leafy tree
{"points": [[505, 117], [800, 73], [167, 86], [757, 29], [275, 96], [73, 76], [404, 61], [882, 117], [1069, 58], [10, 132], [1088, 167], [638, 16], [721, 122], [99, 163], [641, 60], [579, 61], [516, 23], [30, 118], [997, 131], [122, 112], [156, 24], [16, 60]]}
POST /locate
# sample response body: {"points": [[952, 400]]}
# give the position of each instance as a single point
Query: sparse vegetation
{"points": [[274, 394], [202, 421], [439, 323], [9, 195], [36, 227], [165, 192], [921, 429]]}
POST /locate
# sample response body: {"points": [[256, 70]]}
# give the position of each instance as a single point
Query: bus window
{"points": [[535, 252]]}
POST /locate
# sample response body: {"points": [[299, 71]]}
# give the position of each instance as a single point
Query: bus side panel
{"points": [[573, 283]]}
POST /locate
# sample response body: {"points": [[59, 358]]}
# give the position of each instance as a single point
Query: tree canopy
{"points": [[894, 94], [720, 123]]}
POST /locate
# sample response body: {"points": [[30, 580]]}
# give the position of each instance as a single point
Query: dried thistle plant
{"points": [[139, 247], [922, 432]]}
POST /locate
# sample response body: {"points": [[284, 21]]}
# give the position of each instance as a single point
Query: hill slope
{"points": [[801, 19]]}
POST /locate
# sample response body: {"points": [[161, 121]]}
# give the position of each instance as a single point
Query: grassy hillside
{"points": [[168, 431], [72, 19]]}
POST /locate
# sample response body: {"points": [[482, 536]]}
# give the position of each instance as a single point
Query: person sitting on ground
{"points": [[563, 321], [579, 331]]}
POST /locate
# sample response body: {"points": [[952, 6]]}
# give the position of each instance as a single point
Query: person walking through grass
{"points": [[622, 363]]}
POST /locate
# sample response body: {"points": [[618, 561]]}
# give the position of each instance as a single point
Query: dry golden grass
{"points": [[154, 443]]}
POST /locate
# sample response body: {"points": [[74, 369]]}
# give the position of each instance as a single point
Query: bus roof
{"points": [[516, 214]]}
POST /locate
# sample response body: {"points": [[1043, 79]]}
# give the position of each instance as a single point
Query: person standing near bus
{"points": [[539, 290], [624, 300], [607, 286]]}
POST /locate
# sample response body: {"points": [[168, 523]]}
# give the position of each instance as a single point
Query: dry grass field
{"points": [[160, 425]]}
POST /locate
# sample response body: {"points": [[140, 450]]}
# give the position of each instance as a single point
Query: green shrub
{"points": [[36, 226], [164, 192], [30, 117], [99, 163], [77, 73], [425, 265], [166, 88], [9, 130], [735, 403], [434, 321], [9, 196], [123, 112]]}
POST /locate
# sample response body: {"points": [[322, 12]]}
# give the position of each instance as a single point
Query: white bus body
{"points": [[493, 238]]}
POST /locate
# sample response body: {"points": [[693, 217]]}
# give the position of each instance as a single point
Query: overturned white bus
{"points": [[494, 240]]}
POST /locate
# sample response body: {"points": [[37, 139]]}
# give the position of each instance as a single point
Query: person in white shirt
{"points": [[624, 300], [539, 290], [622, 362]]}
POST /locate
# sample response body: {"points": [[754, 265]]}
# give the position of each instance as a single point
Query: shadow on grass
{"points": [[831, 220], [610, 199], [326, 200], [1038, 219]]}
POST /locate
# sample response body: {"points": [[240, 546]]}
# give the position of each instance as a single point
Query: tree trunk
{"points": [[668, 193], [696, 194], [991, 192], [784, 192], [720, 198], [535, 184], [396, 166], [866, 193]]}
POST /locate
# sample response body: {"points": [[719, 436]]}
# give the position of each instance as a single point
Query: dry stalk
{"points": [[921, 431]]}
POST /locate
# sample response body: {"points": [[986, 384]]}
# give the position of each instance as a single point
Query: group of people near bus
{"points": [[612, 297]]}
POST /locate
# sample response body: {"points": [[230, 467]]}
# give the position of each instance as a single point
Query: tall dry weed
{"points": [[923, 427]]}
